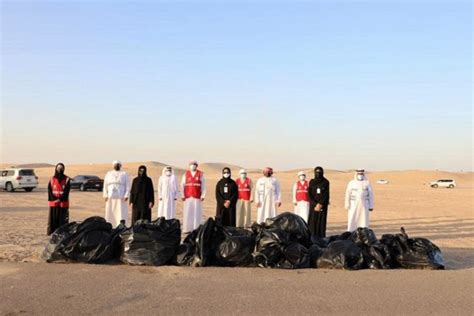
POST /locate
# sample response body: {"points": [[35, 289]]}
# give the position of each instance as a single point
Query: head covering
{"points": [[116, 162], [144, 171], [267, 171], [226, 170], [193, 162], [321, 179], [360, 171], [242, 171], [141, 180], [57, 175], [301, 173]]}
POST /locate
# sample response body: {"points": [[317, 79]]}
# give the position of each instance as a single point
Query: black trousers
{"points": [[58, 216], [317, 221], [140, 213]]}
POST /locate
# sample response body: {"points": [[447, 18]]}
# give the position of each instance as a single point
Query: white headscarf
{"points": [[171, 180]]}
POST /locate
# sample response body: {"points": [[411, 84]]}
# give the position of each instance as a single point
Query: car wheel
{"points": [[83, 187], [9, 187], [451, 186], [29, 189], [434, 186]]}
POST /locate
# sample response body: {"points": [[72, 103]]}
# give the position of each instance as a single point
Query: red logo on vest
{"points": [[57, 189], [192, 186], [302, 191], [244, 189]]}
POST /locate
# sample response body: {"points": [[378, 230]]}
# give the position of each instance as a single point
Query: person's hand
{"points": [[161, 199], [57, 201], [251, 201], [371, 209], [174, 199], [279, 204], [150, 205], [202, 199], [317, 208], [125, 199], [259, 204], [227, 204], [295, 204], [106, 199], [184, 199], [131, 205]]}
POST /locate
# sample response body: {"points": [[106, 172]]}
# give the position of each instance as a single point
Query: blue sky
{"points": [[344, 84]]}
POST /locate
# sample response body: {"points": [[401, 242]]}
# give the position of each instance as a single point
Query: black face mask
{"points": [[318, 175], [60, 170], [117, 167]]}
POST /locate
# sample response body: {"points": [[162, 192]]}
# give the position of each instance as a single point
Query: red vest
{"points": [[58, 189], [302, 191], [244, 189], [192, 186]]}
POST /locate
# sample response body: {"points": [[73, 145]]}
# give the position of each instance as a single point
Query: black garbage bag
{"points": [[269, 247], [376, 256], [207, 240], [91, 241], [293, 225], [235, 248], [295, 256], [314, 253], [413, 253], [343, 236], [363, 236], [151, 243], [342, 254], [187, 249], [319, 241]]}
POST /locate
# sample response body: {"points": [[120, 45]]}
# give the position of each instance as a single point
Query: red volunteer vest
{"points": [[58, 189], [192, 186], [302, 191], [244, 189]]}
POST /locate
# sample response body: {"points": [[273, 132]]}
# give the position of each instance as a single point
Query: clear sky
{"points": [[343, 84]]}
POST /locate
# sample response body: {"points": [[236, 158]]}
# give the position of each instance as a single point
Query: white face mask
{"points": [[193, 167], [243, 176], [360, 177], [168, 173], [226, 175], [302, 178]]}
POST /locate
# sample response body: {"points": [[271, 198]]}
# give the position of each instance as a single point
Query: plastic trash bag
{"points": [[235, 247], [342, 254], [293, 225], [91, 241], [151, 243], [295, 256], [314, 253], [343, 236], [413, 253], [363, 236], [269, 247], [377, 256]]}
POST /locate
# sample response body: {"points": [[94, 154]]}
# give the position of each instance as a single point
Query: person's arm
{"points": [[183, 186], [234, 193], [127, 186], [160, 186], [132, 190], [51, 197], [105, 186], [294, 193], [203, 187], [176, 190], [311, 197], [371, 197], [252, 192], [152, 192], [278, 191], [347, 198], [325, 195], [219, 197], [67, 188]]}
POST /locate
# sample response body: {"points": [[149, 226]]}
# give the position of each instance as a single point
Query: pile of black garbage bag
{"points": [[281, 242]]}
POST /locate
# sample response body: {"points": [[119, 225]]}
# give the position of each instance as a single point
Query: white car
{"points": [[443, 183], [18, 178], [382, 181]]}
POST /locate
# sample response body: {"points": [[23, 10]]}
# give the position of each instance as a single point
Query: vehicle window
{"points": [[26, 172], [4, 173], [10, 173], [91, 178], [78, 178]]}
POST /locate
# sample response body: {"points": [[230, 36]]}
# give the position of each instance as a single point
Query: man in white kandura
{"points": [[267, 195], [116, 192], [300, 196], [168, 193], [194, 191], [359, 201]]}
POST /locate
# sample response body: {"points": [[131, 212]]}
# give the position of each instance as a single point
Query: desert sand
{"points": [[445, 216]]}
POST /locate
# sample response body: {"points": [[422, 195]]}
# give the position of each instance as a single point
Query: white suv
{"points": [[443, 183], [18, 178]]}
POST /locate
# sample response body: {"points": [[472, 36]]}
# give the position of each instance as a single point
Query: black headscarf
{"points": [[142, 179], [226, 169], [59, 175], [319, 175]]}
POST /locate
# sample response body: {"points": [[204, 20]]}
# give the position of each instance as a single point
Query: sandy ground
{"points": [[445, 216]]}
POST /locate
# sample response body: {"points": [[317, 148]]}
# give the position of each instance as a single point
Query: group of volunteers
{"points": [[234, 197]]}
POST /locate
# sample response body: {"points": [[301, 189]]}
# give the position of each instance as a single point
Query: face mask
{"points": [[243, 176], [302, 178], [117, 167], [193, 167], [317, 175], [226, 175], [60, 170], [141, 172], [360, 177], [168, 173]]}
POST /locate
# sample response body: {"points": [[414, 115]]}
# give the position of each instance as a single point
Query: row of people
{"points": [[234, 198]]}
